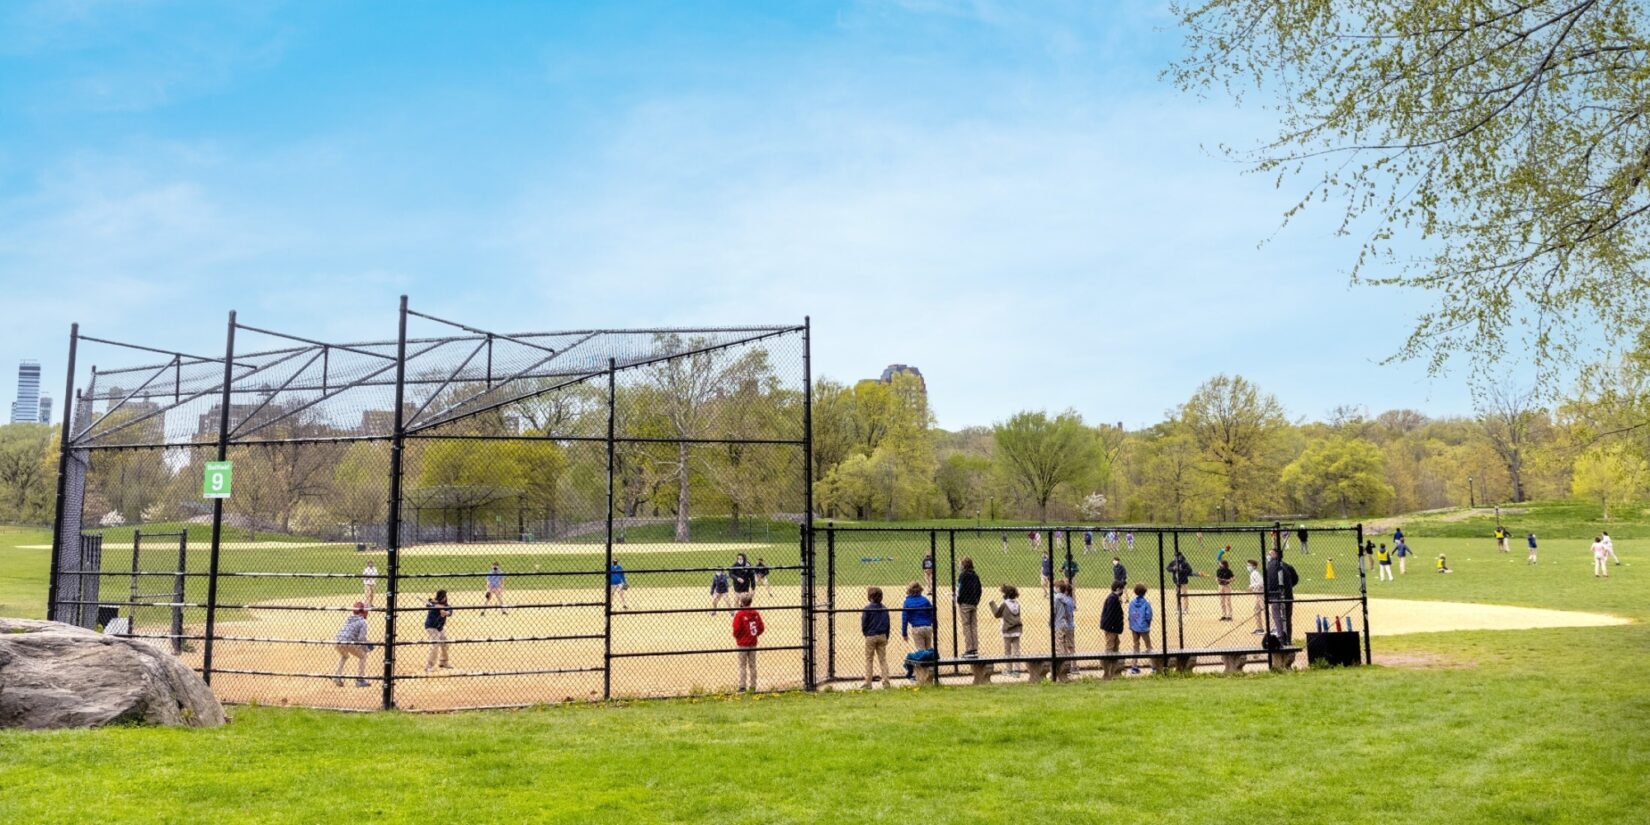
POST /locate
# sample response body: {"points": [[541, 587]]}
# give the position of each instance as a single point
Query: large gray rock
{"points": [[54, 675]]}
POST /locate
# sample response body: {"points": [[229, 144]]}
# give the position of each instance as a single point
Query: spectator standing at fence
{"points": [[1065, 618], [968, 607], [1601, 556], [495, 590], [1119, 573], [762, 571], [1610, 547], [1140, 622], [916, 619], [874, 626], [744, 578], [928, 570], [719, 591], [1383, 563], [1008, 613], [1181, 571], [1282, 577], [436, 613], [617, 584], [369, 581], [1048, 574], [352, 643], [747, 628], [1223, 578], [1111, 617], [1257, 586]]}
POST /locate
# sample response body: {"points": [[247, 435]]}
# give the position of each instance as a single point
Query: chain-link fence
{"points": [[1216, 592], [449, 518]]}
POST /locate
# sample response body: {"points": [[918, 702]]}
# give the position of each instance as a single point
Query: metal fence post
{"points": [[1162, 596], [1180, 604], [1265, 590], [830, 604], [607, 589], [70, 405], [1363, 595], [1053, 635], [217, 505], [392, 545], [810, 668], [951, 550], [180, 587]]}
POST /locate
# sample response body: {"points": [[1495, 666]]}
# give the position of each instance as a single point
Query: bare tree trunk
{"points": [[682, 492]]}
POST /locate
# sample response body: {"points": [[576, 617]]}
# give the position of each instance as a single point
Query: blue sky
{"points": [[1007, 196]]}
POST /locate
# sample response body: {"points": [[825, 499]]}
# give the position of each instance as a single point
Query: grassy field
{"points": [[1511, 726]]}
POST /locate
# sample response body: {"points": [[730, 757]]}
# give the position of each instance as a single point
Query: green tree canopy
{"points": [[1038, 454], [1507, 139]]}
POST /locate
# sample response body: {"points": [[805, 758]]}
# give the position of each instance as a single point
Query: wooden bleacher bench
{"points": [[1111, 664]]}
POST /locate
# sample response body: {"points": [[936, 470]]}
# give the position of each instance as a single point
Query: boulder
{"points": [[55, 675]]}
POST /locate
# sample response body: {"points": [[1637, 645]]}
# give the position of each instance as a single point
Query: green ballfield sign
{"points": [[219, 479]]}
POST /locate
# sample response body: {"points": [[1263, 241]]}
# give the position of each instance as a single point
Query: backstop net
{"points": [[522, 517]]}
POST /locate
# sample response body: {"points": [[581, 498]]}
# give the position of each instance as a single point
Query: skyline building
{"points": [[26, 409]]}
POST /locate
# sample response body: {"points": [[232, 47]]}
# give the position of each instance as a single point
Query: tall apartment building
{"points": [[26, 409], [45, 409]]}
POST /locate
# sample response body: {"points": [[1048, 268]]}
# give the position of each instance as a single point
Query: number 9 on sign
{"points": [[218, 480]]}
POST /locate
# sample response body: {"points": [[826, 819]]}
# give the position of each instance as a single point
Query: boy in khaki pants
{"points": [[747, 627], [873, 624]]}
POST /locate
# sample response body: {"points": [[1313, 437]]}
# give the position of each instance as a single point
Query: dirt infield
{"points": [[496, 657]]}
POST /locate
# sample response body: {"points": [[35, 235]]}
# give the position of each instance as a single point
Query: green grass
{"points": [[1492, 727]]}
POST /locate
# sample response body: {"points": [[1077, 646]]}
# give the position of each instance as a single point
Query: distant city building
{"points": [[26, 409], [902, 369], [45, 409]]}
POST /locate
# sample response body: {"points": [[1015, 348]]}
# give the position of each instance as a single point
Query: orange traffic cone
{"points": [[1329, 569]]}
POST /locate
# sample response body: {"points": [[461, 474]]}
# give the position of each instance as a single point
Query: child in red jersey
{"points": [[747, 626]]}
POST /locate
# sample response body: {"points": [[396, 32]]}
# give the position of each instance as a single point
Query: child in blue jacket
{"points": [[1140, 622]]}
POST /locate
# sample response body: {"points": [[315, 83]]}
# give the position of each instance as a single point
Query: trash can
{"points": [[1341, 648]]}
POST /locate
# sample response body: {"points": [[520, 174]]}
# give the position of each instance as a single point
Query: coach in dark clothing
{"points": [[1111, 617], [968, 606], [1281, 579]]}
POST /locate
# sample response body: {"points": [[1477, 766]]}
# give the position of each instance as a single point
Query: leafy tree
{"points": [[1340, 473], [964, 480], [1234, 424], [1175, 480], [1507, 137], [1039, 455], [1609, 475], [25, 472]]}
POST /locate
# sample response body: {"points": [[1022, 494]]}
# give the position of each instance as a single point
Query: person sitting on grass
{"points": [[747, 627], [916, 619], [352, 642], [873, 625], [1140, 622], [1443, 566], [1009, 614]]}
